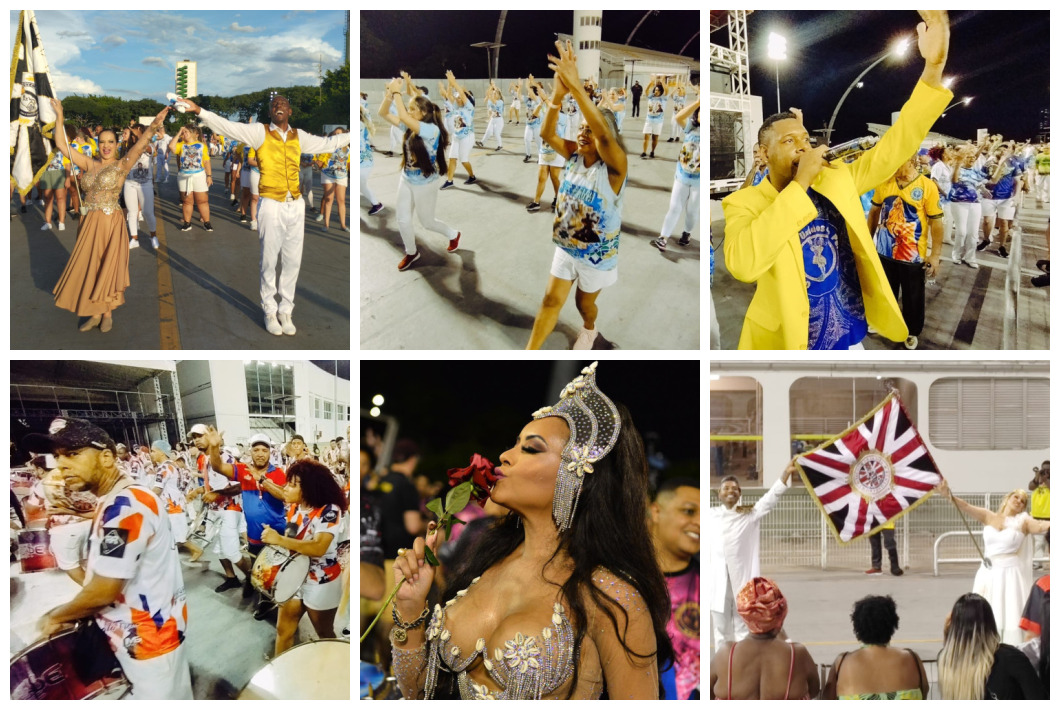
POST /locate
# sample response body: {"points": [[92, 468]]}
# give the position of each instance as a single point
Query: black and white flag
{"points": [[32, 116]]}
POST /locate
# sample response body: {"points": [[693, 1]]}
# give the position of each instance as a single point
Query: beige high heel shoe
{"points": [[90, 324]]}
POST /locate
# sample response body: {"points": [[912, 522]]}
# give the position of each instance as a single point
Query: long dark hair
{"points": [[319, 487], [610, 530], [414, 143]]}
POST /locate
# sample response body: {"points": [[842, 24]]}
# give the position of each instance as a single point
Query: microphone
{"points": [[850, 148]]}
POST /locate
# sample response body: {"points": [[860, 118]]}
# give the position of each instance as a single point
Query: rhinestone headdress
{"points": [[594, 425]]}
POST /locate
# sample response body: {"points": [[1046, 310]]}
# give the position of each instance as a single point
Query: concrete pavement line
{"points": [[169, 335]]}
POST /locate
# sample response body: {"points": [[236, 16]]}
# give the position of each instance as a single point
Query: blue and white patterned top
{"points": [[588, 214]]}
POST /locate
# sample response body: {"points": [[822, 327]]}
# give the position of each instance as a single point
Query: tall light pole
{"points": [[898, 51], [777, 50]]}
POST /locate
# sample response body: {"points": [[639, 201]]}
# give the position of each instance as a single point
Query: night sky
{"points": [[1000, 58], [453, 409], [427, 43]]}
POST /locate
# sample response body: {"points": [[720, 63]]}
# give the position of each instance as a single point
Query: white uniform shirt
{"points": [[734, 539]]}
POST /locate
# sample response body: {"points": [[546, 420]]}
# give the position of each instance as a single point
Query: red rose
{"points": [[482, 473]]}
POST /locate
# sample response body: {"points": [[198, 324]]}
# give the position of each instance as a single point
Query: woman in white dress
{"points": [[1007, 582]]}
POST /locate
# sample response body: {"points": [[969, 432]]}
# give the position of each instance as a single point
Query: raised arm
{"points": [[607, 145], [933, 39], [548, 126], [684, 114], [253, 134], [984, 516], [410, 88], [76, 157], [133, 153], [214, 440]]}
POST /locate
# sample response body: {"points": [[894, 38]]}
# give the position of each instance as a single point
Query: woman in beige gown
{"points": [[94, 281]]}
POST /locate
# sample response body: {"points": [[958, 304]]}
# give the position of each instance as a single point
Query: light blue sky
{"points": [[133, 54]]}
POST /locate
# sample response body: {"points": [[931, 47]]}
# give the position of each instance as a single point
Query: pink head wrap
{"points": [[761, 606]]}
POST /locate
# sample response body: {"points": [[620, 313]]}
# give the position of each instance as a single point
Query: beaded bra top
{"points": [[527, 668], [103, 187]]}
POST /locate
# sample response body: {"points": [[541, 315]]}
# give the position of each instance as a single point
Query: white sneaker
{"points": [[254, 224], [134, 243], [62, 226], [287, 324], [272, 325], [154, 242], [911, 342], [320, 218], [141, 218], [41, 202], [46, 227], [585, 340]]}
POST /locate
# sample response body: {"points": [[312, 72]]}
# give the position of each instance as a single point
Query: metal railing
{"points": [[796, 534], [936, 560]]}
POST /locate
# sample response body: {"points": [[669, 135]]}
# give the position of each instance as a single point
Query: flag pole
{"points": [[986, 560]]}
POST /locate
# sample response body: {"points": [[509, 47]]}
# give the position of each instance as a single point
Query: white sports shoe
{"points": [[134, 243], [254, 224], [154, 242], [46, 227], [585, 340], [62, 226], [287, 324], [272, 325]]}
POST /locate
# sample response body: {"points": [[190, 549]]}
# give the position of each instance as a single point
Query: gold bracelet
{"points": [[401, 626]]}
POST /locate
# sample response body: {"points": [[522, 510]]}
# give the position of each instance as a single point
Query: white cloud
{"points": [[236, 27], [155, 61], [114, 40], [66, 84]]}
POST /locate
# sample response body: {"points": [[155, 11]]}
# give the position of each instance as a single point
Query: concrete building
{"points": [[140, 401], [621, 65]]}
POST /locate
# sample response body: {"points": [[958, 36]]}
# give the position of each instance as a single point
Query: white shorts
{"points": [[68, 543], [226, 544], [460, 149], [555, 160], [325, 180], [320, 597], [1004, 209], [585, 277], [652, 128], [516, 103], [250, 179], [167, 677], [178, 523], [196, 182]]}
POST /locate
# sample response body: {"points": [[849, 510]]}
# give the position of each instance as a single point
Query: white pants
{"points": [[1042, 188], [161, 170], [305, 184], [947, 222], [167, 677], [226, 527], [728, 626], [366, 192], [396, 135], [675, 130], [618, 118], [493, 128], [178, 523], [532, 137], [684, 197], [715, 329], [966, 217], [68, 543], [281, 230], [136, 199], [422, 199]]}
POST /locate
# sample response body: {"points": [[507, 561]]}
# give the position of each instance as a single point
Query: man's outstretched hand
{"points": [[933, 36]]}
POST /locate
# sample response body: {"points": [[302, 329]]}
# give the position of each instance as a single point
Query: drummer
{"points": [[133, 584], [315, 511], [224, 512], [171, 484], [262, 485]]}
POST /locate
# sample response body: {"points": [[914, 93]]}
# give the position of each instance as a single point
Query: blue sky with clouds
{"points": [[133, 54]]}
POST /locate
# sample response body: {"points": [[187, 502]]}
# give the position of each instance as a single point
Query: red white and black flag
{"points": [[873, 473], [32, 116]]}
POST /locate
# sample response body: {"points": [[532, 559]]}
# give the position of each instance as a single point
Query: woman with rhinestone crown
{"points": [[562, 598], [94, 281]]}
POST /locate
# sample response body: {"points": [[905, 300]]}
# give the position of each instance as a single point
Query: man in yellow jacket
{"points": [[802, 235]]}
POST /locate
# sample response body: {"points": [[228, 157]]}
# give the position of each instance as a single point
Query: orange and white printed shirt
{"points": [[131, 540], [173, 483], [303, 524], [215, 481]]}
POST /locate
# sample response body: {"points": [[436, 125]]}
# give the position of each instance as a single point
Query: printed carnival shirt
{"points": [[131, 540], [304, 525]]}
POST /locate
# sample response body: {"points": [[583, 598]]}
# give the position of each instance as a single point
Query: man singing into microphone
{"points": [[802, 235]]}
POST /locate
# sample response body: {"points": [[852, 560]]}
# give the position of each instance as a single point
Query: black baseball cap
{"points": [[299, 437], [66, 434]]}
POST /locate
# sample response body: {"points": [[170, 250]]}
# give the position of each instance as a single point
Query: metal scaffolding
{"points": [[730, 112]]}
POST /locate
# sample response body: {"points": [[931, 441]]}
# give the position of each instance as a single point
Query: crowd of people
{"points": [[107, 178], [995, 638], [118, 518], [574, 130], [870, 228], [574, 580]]}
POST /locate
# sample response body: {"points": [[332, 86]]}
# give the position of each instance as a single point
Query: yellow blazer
{"points": [[762, 235]]}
